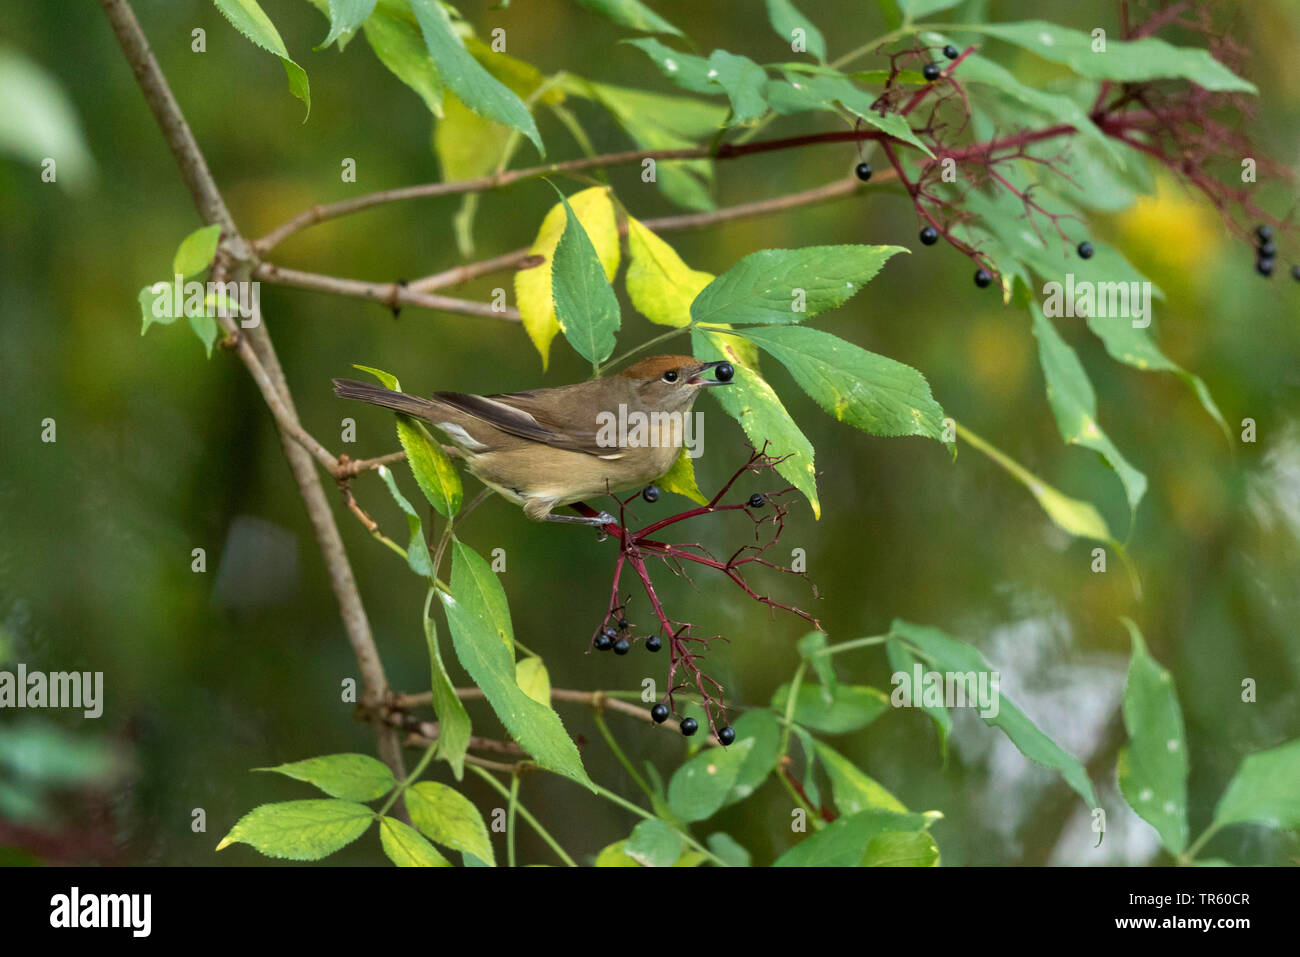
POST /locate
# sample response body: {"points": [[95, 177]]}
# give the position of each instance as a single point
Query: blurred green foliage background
{"points": [[160, 451]]}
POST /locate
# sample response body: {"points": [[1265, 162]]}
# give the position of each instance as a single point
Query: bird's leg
{"points": [[596, 521]]}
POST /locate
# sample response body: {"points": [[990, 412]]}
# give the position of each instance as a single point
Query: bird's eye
{"points": [[670, 375]]}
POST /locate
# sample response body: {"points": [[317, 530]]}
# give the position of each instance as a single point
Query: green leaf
{"points": [[417, 551], [944, 653], [38, 120], [658, 122], [686, 70], [533, 680], [251, 20], [761, 729], [843, 843], [386, 379], [1128, 61], [345, 17], [447, 817], [615, 855], [453, 719], [405, 846], [156, 306], [979, 70], [585, 304], [726, 847], [660, 285], [654, 844], [196, 251], [755, 405], [353, 777], [205, 327], [1072, 515], [786, 19], [902, 660], [1134, 347], [490, 664], [915, 9], [301, 830], [1153, 767], [851, 789], [431, 466], [1265, 789], [833, 710], [699, 788], [871, 392], [467, 145], [901, 849], [1074, 404], [811, 648], [465, 76], [399, 46], [743, 80], [822, 91], [789, 285], [681, 479], [479, 589], [534, 287], [631, 14]]}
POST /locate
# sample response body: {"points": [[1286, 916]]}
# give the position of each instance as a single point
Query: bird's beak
{"points": [[722, 371]]}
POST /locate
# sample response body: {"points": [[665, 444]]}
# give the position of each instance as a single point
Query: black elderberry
{"points": [[724, 372], [1264, 266], [983, 277], [659, 712], [951, 52], [689, 726], [1085, 250], [1267, 250], [929, 235], [862, 171], [727, 735], [1263, 232], [603, 642], [931, 71], [622, 646], [651, 494], [757, 501], [654, 643]]}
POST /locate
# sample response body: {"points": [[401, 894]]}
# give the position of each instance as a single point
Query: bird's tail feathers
{"points": [[385, 398]]}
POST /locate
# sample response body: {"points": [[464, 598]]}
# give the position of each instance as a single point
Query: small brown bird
{"points": [[550, 447]]}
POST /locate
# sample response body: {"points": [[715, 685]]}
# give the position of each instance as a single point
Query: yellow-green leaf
{"points": [[301, 830], [681, 479], [533, 679], [1073, 515], [595, 211], [406, 847], [659, 284], [755, 405], [251, 20], [446, 816], [196, 251], [431, 466]]}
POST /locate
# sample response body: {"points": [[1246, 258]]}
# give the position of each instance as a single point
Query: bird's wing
{"points": [[524, 414]]}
